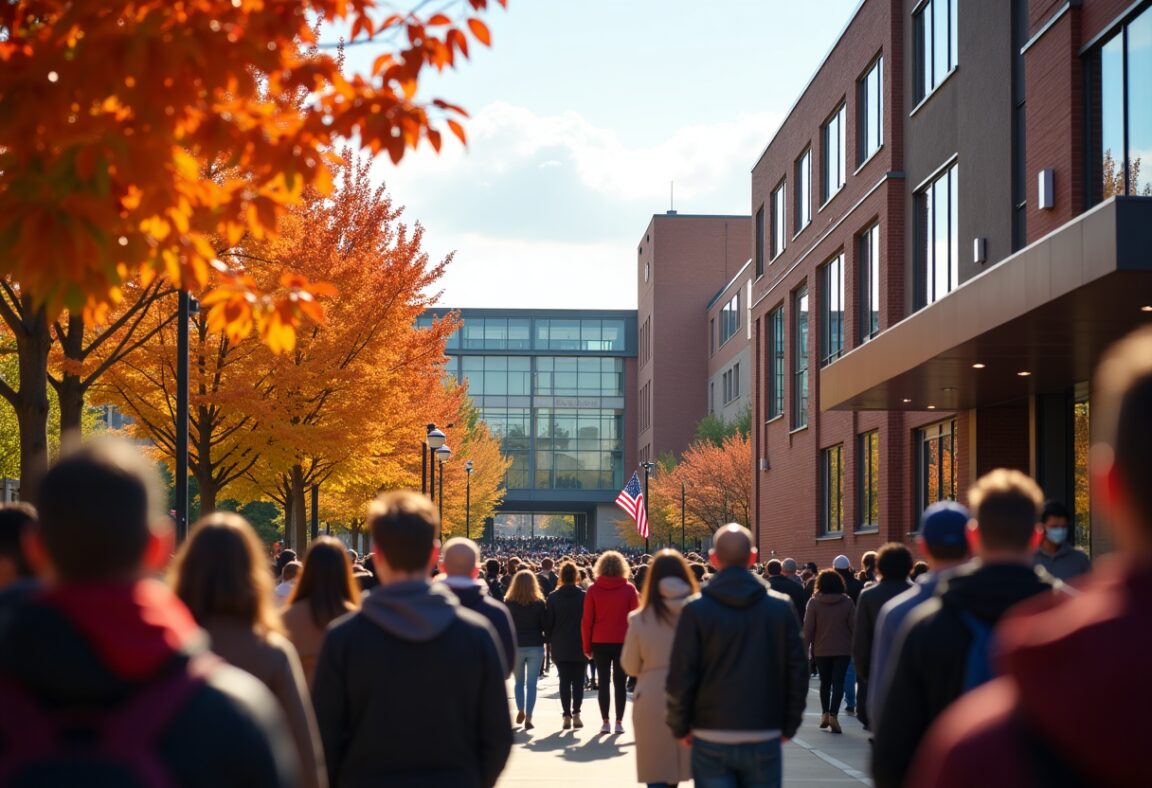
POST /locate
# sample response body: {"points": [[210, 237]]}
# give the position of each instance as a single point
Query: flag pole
{"points": [[647, 466]]}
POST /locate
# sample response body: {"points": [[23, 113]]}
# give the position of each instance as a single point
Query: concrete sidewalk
{"points": [[549, 756]]}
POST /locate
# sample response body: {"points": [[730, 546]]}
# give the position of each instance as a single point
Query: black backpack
{"points": [[118, 746]]}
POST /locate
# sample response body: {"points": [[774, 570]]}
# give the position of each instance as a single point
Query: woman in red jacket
{"points": [[606, 607]]}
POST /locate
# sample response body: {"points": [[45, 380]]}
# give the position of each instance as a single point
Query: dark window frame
{"points": [[868, 480], [831, 350], [778, 220], [802, 190], [801, 357], [840, 117], [868, 268], [863, 104], [832, 501], [776, 359]]}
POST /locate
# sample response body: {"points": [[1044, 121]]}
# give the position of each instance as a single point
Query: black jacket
{"points": [[867, 610], [476, 598], [931, 653], [409, 691], [529, 621], [792, 590], [737, 660], [564, 612], [230, 732], [852, 585]]}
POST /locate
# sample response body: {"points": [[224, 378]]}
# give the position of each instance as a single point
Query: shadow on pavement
{"points": [[581, 749]]}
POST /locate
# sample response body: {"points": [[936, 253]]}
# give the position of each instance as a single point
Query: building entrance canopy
{"points": [[1037, 321]]}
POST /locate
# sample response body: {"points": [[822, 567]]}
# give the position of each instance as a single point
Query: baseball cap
{"points": [[944, 523], [841, 562]]}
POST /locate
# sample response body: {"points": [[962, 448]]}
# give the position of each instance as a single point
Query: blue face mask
{"points": [[1056, 535]]}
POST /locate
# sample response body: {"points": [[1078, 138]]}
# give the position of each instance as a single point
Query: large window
{"points": [[938, 237], [496, 333], [869, 268], [870, 129], [832, 490], [868, 463], [730, 382], [937, 463], [1121, 112], [832, 311], [776, 363], [800, 358], [572, 376], [730, 318], [935, 26], [498, 376], [513, 426], [579, 449], [803, 190], [588, 334], [833, 137], [760, 241], [779, 240]]}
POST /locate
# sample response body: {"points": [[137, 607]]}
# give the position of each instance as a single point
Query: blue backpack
{"points": [[978, 667]]}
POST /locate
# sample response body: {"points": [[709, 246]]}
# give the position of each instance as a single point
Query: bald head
{"points": [[733, 546], [461, 558]]}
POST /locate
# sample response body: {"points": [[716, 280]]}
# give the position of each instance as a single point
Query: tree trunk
{"points": [[201, 459], [31, 405], [299, 511], [70, 390]]}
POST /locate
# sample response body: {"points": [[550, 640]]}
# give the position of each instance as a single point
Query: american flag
{"points": [[631, 500]]}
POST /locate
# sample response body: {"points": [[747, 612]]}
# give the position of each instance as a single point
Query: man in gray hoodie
{"points": [[409, 691]]}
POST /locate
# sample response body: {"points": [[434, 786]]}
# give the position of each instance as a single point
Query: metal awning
{"points": [[1048, 311]]}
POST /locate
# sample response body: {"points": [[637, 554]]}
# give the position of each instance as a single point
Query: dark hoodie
{"points": [[1060, 656], [931, 654], [737, 660], [95, 647], [409, 691], [478, 598]]}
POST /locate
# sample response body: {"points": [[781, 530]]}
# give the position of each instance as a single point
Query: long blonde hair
{"points": [[220, 572], [524, 589]]}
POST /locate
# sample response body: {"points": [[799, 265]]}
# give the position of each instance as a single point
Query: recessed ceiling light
{"points": [[1024, 373], [948, 389], [978, 365], [931, 407], [1146, 308], [907, 400]]}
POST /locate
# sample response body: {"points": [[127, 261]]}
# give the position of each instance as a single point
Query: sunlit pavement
{"points": [[549, 756]]}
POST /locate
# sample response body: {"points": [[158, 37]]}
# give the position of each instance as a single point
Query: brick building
{"points": [[730, 348], [949, 230]]}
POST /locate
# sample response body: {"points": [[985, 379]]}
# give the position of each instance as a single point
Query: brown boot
{"points": [[824, 720], [834, 723]]}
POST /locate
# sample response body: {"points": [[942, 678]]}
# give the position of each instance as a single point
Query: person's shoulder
{"points": [[231, 696]]}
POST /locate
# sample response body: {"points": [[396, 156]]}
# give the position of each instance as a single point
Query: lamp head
{"points": [[435, 438], [443, 452], [468, 466]]}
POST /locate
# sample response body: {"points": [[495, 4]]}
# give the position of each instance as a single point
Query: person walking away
{"points": [[410, 689], [945, 646], [547, 580], [607, 604], [461, 566], [526, 604], [492, 579], [221, 576], [660, 760], [564, 610], [828, 626], [1057, 553], [943, 539], [867, 574], [778, 582], [288, 577], [327, 589], [852, 587], [17, 580], [788, 568], [1029, 722], [116, 658], [893, 565], [738, 677]]}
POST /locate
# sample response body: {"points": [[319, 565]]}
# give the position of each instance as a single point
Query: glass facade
{"points": [[552, 389], [1121, 111]]}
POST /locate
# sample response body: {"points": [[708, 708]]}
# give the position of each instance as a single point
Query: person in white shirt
{"points": [[287, 585]]}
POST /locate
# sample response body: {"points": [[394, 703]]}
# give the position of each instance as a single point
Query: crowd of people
{"points": [[124, 662]]}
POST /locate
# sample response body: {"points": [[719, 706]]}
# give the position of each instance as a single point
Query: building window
{"points": [[834, 136], [573, 376], [868, 461], [570, 334], [935, 26], [730, 319], [869, 269], [938, 237], [800, 358], [871, 125], [730, 384], [936, 466], [712, 397], [778, 231], [497, 376], [513, 426], [832, 313], [776, 363], [1120, 120], [803, 190], [579, 448], [711, 336], [832, 490], [760, 241]]}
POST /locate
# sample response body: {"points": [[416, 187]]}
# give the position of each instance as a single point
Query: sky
{"points": [[582, 114]]}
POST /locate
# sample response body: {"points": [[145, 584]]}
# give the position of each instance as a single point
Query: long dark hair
{"points": [[666, 563], [327, 582]]}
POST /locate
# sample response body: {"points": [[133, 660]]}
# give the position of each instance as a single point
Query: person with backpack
{"points": [[105, 679], [945, 646]]}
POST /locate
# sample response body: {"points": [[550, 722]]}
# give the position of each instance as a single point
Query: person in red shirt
{"points": [[606, 607]]}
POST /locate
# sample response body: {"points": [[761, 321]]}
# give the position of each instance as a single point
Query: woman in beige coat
{"points": [[669, 584], [326, 590]]}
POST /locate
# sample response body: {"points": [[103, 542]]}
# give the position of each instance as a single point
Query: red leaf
{"points": [[480, 30], [438, 19], [458, 130]]}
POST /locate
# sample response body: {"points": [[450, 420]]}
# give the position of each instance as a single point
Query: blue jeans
{"points": [[758, 765], [850, 686], [526, 671]]}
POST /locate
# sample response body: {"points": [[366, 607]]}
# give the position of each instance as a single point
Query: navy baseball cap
{"points": [[944, 523]]}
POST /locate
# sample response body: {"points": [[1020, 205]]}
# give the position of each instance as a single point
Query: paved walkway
{"points": [[556, 758]]}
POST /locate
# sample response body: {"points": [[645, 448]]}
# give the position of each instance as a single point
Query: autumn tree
{"points": [[717, 485], [135, 133]]}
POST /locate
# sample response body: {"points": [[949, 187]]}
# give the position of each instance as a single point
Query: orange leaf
{"points": [[458, 130], [480, 30]]}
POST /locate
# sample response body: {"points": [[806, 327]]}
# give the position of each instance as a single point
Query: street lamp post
{"points": [[647, 466], [432, 441], [442, 455], [682, 507], [187, 305], [468, 499]]}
